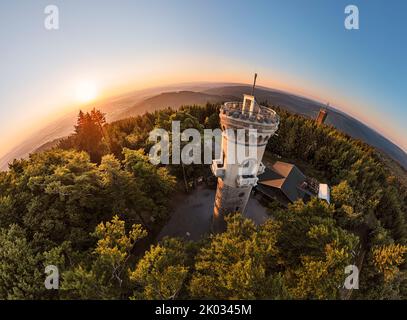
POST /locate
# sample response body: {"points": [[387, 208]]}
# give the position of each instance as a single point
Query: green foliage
{"points": [[106, 278], [51, 204], [368, 198], [314, 250], [20, 277], [81, 283], [89, 135], [114, 245], [350, 207], [61, 196], [388, 258], [161, 273], [157, 183], [320, 277], [373, 188], [56, 196], [212, 122], [238, 264]]}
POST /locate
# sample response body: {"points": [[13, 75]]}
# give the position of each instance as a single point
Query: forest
{"points": [[93, 205]]}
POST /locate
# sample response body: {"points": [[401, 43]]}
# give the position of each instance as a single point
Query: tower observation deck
{"points": [[249, 125]]}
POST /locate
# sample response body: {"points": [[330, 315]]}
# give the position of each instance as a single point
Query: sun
{"points": [[86, 91]]}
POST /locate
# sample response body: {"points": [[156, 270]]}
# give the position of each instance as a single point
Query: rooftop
{"points": [[288, 180], [286, 177]]}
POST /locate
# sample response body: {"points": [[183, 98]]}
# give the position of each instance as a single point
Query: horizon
{"points": [[172, 88], [119, 51]]}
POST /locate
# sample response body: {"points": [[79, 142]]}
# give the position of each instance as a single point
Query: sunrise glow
{"points": [[86, 91]]}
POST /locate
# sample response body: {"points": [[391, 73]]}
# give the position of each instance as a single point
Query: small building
{"points": [[286, 183], [324, 192]]}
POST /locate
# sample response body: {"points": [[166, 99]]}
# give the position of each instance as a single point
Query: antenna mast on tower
{"points": [[254, 83]]}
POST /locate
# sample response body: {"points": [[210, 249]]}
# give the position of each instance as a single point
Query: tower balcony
{"points": [[217, 168], [246, 181], [261, 168], [262, 114]]}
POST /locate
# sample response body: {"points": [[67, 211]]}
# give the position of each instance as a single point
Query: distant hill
{"points": [[115, 109], [310, 108], [138, 102], [174, 100], [56, 129], [48, 145], [290, 102]]}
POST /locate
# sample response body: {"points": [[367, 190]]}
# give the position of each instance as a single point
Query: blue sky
{"points": [[297, 45]]}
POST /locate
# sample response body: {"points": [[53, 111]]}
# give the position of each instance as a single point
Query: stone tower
{"points": [[244, 124]]}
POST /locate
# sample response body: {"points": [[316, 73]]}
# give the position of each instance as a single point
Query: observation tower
{"points": [[246, 128]]}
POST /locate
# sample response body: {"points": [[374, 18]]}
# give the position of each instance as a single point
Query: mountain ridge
{"points": [[138, 102]]}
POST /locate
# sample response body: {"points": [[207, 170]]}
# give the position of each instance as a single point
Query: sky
{"points": [[117, 46]]}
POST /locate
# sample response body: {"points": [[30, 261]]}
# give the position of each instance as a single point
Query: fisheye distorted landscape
{"points": [[196, 150]]}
